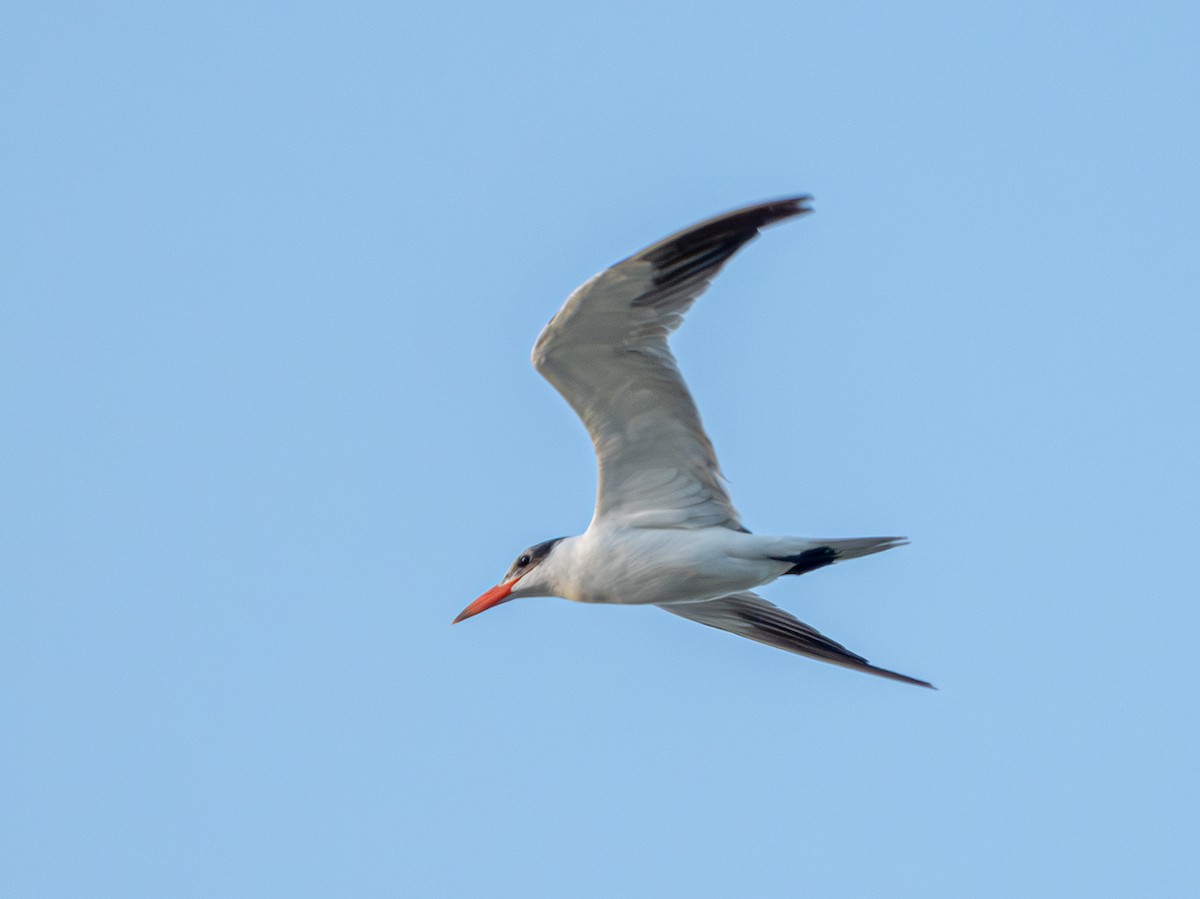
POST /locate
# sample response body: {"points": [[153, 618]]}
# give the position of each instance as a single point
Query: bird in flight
{"points": [[665, 531]]}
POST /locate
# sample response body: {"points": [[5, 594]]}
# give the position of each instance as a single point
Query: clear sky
{"points": [[269, 277]]}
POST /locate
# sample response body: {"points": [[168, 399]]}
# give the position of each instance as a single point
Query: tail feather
{"points": [[825, 552]]}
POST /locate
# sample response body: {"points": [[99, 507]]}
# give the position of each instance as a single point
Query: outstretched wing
{"points": [[749, 615], [606, 352]]}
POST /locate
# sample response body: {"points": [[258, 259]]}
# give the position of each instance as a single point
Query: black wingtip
{"points": [[739, 224], [777, 210], [789, 206], [697, 253], [903, 678]]}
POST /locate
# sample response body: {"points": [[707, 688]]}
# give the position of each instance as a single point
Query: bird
{"points": [[664, 531]]}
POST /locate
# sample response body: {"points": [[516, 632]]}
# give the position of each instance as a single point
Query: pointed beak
{"points": [[498, 594]]}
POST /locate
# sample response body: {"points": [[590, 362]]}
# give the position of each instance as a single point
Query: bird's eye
{"points": [[524, 560]]}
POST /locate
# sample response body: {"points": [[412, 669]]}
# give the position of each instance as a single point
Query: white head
{"points": [[526, 577]]}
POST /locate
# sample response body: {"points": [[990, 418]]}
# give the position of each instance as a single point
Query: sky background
{"points": [[269, 277]]}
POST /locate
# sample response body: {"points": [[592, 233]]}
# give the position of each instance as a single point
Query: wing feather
{"points": [[606, 352], [749, 615]]}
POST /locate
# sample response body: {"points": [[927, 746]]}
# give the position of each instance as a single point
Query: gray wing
{"points": [[606, 352], [749, 615]]}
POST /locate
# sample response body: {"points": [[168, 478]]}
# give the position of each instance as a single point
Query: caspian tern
{"points": [[664, 530]]}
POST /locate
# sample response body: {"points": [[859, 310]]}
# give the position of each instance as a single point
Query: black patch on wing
{"points": [[699, 252], [752, 616], [810, 559], [778, 627]]}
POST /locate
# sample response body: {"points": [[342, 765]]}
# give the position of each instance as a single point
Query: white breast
{"points": [[656, 565]]}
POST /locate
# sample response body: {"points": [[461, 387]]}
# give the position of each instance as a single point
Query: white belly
{"points": [[656, 565]]}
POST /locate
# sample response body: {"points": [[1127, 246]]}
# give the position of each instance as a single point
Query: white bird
{"points": [[665, 531]]}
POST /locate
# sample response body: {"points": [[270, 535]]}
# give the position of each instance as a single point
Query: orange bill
{"points": [[495, 596]]}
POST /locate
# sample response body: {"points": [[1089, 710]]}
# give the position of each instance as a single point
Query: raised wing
{"points": [[606, 352], [749, 615]]}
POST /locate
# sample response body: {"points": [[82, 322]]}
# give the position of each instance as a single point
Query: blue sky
{"points": [[271, 273]]}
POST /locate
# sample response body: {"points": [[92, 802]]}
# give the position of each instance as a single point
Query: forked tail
{"points": [[820, 553]]}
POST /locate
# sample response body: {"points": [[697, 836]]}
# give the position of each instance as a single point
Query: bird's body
{"points": [[638, 566], [665, 531], [613, 563]]}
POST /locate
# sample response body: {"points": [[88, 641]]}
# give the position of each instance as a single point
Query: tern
{"points": [[665, 531]]}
